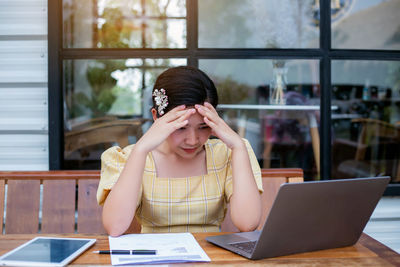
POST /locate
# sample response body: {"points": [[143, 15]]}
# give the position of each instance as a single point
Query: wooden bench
{"points": [[54, 202], [50, 202]]}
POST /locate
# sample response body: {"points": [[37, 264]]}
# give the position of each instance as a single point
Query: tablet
{"points": [[46, 251]]}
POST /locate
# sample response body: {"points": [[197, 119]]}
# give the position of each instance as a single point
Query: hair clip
{"points": [[161, 99]]}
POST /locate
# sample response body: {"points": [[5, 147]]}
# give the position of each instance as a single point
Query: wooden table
{"points": [[367, 252]]}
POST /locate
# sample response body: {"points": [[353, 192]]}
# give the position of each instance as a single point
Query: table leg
{"points": [[315, 140], [267, 154]]}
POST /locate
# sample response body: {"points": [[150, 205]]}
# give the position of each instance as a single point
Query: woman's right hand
{"points": [[163, 126]]}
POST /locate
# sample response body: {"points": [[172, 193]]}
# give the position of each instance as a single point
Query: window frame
{"points": [[325, 54]]}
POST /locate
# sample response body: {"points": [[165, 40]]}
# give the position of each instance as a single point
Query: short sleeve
{"points": [[254, 166], [113, 161]]}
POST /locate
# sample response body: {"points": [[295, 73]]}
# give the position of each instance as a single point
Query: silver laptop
{"points": [[310, 216]]}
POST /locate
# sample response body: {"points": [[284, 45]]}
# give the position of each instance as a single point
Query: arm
{"points": [[245, 192], [120, 205]]}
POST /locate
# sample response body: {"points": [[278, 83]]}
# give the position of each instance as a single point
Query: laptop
{"points": [[310, 216]]}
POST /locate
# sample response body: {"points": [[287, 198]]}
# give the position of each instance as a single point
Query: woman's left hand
{"points": [[218, 126]]}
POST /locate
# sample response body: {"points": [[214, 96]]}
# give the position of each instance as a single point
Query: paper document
{"points": [[171, 247]]}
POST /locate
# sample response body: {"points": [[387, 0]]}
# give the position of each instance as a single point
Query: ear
{"points": [[154, 114]]}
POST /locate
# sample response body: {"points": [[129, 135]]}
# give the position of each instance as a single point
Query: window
{"points": [[290, 74], [124, 24], [366, 132]]}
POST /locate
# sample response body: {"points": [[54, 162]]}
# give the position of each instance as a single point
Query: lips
{"points": [[189, 150]]}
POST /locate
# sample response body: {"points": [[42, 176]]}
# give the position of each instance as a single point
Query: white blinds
{"points": [[23, 17], [23, 85]]}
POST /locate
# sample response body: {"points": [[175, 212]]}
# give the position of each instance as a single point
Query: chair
{"points": [[89, 122], [62, 190], [69, 203], [285, 128], [377, 150], [112, 131], [272, 180]]}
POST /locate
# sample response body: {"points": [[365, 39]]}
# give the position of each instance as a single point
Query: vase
{"points": [[277, 86]]}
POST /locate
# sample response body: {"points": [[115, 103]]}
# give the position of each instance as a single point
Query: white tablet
{"points": [[46, 251]]}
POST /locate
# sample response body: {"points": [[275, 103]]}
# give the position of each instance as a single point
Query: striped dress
{"points": [[191, 204]]}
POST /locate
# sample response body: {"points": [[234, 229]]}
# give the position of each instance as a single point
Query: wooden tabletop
{"points": [[367, 252]]}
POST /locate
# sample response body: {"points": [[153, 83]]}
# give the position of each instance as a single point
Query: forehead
{"points": [[195, 119]]}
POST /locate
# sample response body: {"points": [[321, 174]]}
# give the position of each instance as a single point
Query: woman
{"points": [[176, 179]]}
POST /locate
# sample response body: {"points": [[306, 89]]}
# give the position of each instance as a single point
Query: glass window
{"points": [[258, 24], [370, 24], [366, 125], [275, 105], [124, 24], [106, 102]]}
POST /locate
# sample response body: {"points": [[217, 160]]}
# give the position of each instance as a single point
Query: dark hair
{"points": [[186, 85]]}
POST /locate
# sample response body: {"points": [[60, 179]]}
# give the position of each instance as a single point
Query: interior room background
{"points": [[311, 84]]}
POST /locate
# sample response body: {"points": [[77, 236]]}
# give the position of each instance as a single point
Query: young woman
{"points": [[176, 179]]}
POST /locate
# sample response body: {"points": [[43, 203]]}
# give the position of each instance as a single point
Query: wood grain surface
{"points": [[367, 252]]}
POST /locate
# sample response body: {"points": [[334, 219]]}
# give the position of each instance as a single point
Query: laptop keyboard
{"points": [[247, 246]]}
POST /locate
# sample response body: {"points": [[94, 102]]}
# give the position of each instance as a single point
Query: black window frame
{"points": [[325, 54]]}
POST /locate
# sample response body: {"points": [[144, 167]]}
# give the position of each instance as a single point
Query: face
{"points": [[188, 141]]}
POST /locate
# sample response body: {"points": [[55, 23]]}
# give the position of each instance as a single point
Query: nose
{"points": [[192, 137]]}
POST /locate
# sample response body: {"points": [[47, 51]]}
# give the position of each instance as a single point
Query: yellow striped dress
{"points": [[191, 204]]}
